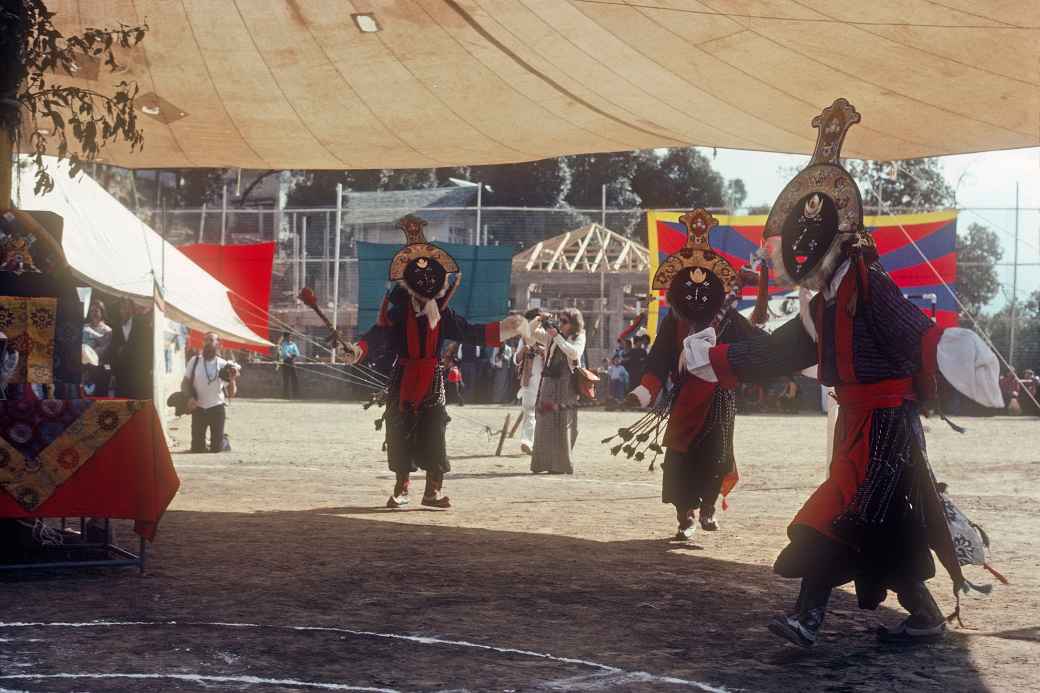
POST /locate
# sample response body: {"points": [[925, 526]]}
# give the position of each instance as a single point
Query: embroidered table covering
{"points": [[94, 458]]}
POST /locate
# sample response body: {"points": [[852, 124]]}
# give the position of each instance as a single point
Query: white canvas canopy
{"points": [[334, 84], [109, 248]]}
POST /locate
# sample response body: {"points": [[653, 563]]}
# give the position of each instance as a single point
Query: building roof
{"points": [[389, 206], [584, 250]]}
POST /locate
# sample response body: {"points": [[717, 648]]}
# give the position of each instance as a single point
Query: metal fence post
{"points": [[223, 216], [303, 251], [335, 267], [480, 197]]}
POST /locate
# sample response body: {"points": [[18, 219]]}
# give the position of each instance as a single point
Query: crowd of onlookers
{"points": [[118, 356], [481, 375], [1021, 392]]}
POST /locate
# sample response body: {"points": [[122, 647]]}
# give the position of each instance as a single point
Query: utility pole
{"points": [[1014, 284]]}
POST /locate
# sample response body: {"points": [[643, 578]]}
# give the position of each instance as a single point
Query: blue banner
{"points": [[482, 297]]}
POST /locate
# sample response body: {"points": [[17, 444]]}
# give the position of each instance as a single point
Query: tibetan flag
{"points": [[917, 250]]}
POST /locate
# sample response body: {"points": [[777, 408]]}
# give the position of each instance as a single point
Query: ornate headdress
{"points": [[820, 211], [696, 278], [422, 267]]}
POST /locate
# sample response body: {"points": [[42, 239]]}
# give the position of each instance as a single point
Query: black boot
{"points": [[925, 624], [802, 626]]}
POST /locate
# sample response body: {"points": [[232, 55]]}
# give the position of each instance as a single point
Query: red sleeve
{"points": [[492, 334], [719, 357], [930, 349], [926, 382], [363, 345], [652, 383]]}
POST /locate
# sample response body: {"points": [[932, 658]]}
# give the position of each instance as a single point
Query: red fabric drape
{"points": [[246, 271]]}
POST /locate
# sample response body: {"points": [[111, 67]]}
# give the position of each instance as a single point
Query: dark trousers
{"points": [[290, 385], [213, 419]]}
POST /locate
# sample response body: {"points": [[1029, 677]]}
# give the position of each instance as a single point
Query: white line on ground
{"points": [[641, 676], [203, 678]]}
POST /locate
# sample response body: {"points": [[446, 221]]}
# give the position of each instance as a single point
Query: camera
{"points": [[551, 322], [230, 368]]}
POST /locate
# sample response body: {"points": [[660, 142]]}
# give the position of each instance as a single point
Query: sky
{"points": [[984, 184]]}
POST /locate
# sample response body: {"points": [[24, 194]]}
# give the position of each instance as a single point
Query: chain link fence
{"points": [[307, 254]]}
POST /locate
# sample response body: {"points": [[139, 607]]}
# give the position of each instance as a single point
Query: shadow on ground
{"points": [[637, 606]]}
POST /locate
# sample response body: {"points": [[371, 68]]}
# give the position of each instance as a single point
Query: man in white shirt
{"points": [[210, 394]]}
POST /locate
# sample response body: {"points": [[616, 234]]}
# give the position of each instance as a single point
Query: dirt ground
{"points": [[278, 569]]}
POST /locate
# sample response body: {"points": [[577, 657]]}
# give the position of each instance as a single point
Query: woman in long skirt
{"points": [[556, 428]]}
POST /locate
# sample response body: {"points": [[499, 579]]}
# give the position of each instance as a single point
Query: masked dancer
{"points": [[701, 289], [877, 514], [414, 321]]}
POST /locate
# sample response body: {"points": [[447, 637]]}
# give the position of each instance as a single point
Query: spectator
{"points": [[1028, 392], [787, 402], [453, 393], [635, 358], [556, 428], [469, 366], [617, 376], [288, 352], [501, 362], [210, 381], [131, 352], [98, 336], [1009, 387]]}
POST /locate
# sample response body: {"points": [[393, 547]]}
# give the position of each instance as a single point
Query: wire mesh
{"points": [[306, 256]]}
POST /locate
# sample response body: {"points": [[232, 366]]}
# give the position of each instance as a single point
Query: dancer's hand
{"points": [[512, 326], [639, 397], [696, 348], [352, 353]]}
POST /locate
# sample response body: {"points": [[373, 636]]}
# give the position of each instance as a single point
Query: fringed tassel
{"points": [[959, 429], [761, 312], [983, 589], [997, 575]]}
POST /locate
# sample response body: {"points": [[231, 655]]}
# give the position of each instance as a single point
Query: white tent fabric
{"points": [[297, 84], [108, 247]]}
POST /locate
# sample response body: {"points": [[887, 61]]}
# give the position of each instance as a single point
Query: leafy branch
{"points": [[45, 113]]}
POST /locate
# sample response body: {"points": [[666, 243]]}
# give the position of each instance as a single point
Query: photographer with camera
{"points": [[209, 382], [556, 428]]}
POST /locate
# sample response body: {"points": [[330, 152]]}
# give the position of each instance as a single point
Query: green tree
{"points": [[543, 183], [77, 122], [677, 179], [978, 252], [735, 193], [1027, 332], [915, 184], [590, 172]]}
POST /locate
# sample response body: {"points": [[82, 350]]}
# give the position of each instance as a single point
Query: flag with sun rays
{"points": [[917, 250]]}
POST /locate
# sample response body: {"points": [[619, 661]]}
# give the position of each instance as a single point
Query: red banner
{"points": [[246, 271]]}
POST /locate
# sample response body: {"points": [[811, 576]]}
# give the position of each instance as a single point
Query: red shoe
{"points": [[433, 502]]}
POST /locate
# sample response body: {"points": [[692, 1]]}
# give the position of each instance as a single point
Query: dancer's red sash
{"points": [[851, 456]]}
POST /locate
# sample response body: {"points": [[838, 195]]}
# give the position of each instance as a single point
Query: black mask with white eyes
{"points": [[425, 276], [807, 234], [695, 294]]}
